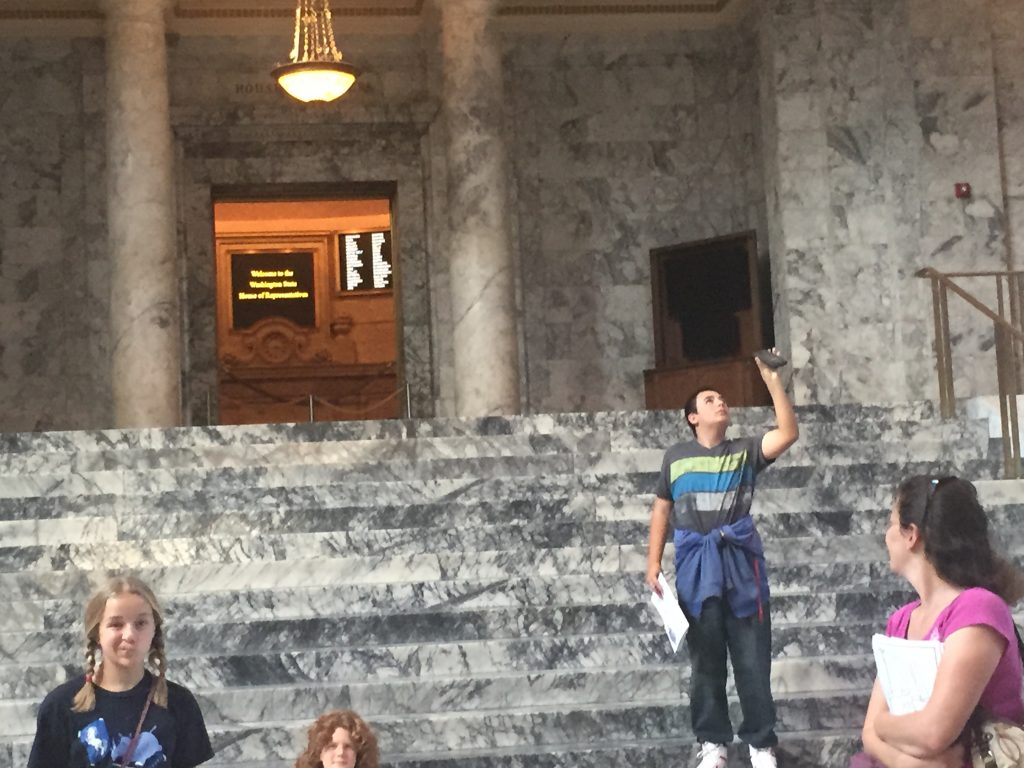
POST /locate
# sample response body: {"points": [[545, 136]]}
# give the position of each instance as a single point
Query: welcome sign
{"points": [[265, 285]]}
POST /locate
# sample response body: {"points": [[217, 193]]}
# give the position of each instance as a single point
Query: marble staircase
{"points": [[472, 587]]}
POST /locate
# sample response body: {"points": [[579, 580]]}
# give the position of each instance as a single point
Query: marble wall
{"points": [[875, 108], [622, 144], [1008, 50], [834, 128], [54, 366]]}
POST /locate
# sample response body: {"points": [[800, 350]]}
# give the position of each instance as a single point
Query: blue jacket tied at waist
{"points": [[725, 562]]}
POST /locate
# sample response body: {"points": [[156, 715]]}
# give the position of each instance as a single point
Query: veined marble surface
{"points": [[875, 108], [1008, 52], [598, 188], [473, 586], [628, 429]]}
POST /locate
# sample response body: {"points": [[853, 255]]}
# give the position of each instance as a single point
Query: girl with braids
{"points": [[938, 540], [340, 739], [119, 713]]}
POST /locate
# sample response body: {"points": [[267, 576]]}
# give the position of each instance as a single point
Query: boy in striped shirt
{"points": [[704, 493]]}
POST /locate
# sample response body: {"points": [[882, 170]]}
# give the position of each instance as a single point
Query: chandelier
{"points": [[316, 71]]}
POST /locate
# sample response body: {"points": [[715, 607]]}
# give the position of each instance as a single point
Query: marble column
{"points": [[486, 354], [144, 315]]}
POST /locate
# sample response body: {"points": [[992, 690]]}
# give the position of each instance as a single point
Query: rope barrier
{"points": [[311, 399]]}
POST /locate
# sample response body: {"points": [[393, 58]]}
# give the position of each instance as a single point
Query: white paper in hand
{"points": [[906, 671], [670, 612]]}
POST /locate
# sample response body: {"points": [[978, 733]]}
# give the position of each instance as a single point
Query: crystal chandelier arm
{"points": [[331, 45], [321, 34], [294, 55]]}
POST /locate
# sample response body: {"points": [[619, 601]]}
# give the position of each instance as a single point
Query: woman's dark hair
{"points": [[954, 529]]}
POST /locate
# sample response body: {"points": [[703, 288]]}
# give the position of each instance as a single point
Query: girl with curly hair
{"points": [[119, 713], [340, 739]]}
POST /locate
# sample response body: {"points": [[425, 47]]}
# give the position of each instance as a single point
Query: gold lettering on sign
{"points": [[273, 289]]}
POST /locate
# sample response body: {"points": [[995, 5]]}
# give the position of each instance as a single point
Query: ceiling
{"points": [[212, 8], [77, 17]]}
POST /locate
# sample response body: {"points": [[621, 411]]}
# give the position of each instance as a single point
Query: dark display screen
{"points": [[272, 285]]}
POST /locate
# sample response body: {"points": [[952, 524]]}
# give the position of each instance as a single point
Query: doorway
{"points": [[306, 321], [710, 316]]}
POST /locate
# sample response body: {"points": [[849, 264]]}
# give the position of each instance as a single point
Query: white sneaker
{"points": [[712, 755], [762, 758]]}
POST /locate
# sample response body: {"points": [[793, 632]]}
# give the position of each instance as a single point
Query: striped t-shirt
{"points": [[710, 487]]}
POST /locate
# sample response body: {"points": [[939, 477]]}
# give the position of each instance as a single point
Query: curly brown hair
{"points": [[322, 732]]}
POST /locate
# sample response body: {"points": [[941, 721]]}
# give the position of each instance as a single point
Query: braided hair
{"points": [[85, 699]]}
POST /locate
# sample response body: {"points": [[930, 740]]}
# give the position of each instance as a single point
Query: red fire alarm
{"points": [[962, 190]]}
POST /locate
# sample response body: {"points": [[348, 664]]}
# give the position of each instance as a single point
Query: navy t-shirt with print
{"points": [[171, 737]]}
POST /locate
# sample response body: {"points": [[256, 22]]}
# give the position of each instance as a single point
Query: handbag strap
{"points": [[138, 729]]}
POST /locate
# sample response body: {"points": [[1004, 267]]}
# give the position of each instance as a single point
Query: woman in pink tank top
{"points": [[938, 541]]}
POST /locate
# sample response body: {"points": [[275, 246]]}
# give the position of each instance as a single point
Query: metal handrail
{"points": [[1008, 327]]}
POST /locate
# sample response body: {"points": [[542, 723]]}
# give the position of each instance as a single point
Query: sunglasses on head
{"points": [[933, 485]]}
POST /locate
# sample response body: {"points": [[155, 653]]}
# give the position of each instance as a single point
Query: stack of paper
{"points": [[670, 612], [906, 671]]}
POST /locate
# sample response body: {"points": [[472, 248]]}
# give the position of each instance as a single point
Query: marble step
{"points": [[597, 724], [782, 476], [325, 489], [385, 658], [433, 516], [338, 600], [346, 453], [807, 749], [148, 482], [140, 482], [654, 683], [448, 732], [169, 581], [811, 455], [360, 529], [815, 614], [260, 545], [660, 427], [797, 538], [854, 499], [820, 443], [777, 511], [388, 568], [821, 749]]}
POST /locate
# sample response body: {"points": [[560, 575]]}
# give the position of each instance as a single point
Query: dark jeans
{"points": [[716, 634]]}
